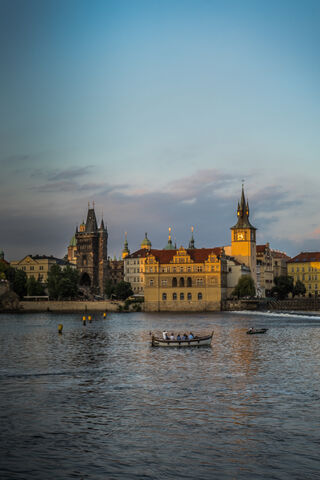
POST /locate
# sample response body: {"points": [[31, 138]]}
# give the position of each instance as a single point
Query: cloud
{"points": [[15, 160], [72, 173]]}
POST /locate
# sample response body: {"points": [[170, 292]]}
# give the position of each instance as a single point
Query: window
{"points": [[174, 296], [41, 267], [189, 269], [189, 282], [174, 282], [31, 268], [181, 282], [199, 281], [164, 296], [199, 268], [189, 296], [164, 283], [199, 296], [151, 282], [181, 296]]}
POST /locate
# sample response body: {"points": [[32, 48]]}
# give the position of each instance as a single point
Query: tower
{"points": [[146, 244], [92, 253], [125, 251], [169, 245], [191, 243], [243, 238]]}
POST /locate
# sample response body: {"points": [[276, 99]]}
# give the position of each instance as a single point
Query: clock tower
{"points": [[243, 238]]}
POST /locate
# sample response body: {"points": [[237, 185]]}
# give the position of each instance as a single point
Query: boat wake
{"points": [[302, 315]]}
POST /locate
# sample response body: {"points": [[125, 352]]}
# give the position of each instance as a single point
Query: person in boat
{"points": [[165, 335], [178, 337], [184, 336], [190, 336], [172, 336]]}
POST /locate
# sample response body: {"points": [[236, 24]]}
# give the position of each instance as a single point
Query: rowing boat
{"points": [[253, 331], [195, 342]]}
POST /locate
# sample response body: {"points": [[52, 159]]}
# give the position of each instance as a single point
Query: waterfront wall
{"points": [[71, 306], [187, 306]]}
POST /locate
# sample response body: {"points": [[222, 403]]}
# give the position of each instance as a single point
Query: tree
{"points": [[299, 288], [34, 287], [18, 282], [109, 288], [63, 284], [283, 286], [54, 279], [245, 287], [123, 290]]}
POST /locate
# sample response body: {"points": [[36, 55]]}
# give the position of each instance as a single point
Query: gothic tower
{"points": [[243, 238], [92, 253]]}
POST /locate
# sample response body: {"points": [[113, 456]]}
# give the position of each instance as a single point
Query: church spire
{"points": [[191, 243], [125, 251], [169, 245], [243, 212]]}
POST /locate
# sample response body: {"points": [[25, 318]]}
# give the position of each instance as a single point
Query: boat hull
{"points": [[196, 342], [257, 331]]}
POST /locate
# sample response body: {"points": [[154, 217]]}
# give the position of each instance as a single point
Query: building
{"points": [[38, 266], [243, 239], [265, 274], [185, 279], [2, 259], [92, 255], [72, 251], [279, 263], [115, 270], [134, 266], [235, 270], [306, 268]]}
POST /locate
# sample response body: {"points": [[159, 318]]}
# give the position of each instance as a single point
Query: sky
{"points": [[157, 111]]}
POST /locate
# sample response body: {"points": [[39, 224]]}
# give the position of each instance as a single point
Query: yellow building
{"points": [[38, 266], [306, 268], [193, 279]]}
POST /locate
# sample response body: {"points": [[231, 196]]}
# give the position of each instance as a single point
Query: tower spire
{"points": [[191, 243]]}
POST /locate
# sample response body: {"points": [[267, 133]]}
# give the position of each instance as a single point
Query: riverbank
{"points": [[71, 306]]}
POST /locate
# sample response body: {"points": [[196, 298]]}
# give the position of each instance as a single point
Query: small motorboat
{"points": [[253, 331], [195, 342]]}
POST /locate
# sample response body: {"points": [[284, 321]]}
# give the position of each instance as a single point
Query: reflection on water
{"points": [[97, 402]]}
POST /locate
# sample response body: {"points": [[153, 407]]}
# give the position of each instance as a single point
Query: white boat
{"points": [[195, 342]]}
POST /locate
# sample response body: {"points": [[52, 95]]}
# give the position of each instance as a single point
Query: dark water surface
{"points": [[97, 402]]}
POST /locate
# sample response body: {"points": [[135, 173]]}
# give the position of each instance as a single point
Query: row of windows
{"points": [[175, 296], [31, 268], [306, 277], [310, 269], [195, 268], [182, 283]]}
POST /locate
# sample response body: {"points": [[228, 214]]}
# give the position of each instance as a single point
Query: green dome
{"points": [[73, 242], [145, 242], [169, 245]]}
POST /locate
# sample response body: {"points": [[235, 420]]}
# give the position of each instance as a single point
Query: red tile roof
{"points": [[306, 257], [198, 255]]}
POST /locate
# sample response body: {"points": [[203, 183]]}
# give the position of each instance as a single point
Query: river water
{"points": [[97, 402]]}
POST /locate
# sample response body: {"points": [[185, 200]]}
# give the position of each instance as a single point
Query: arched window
{"points": [[189, 296], [164, 296], [181, 282], [174, 296], [189, 282], [174, 282], [199, 296], [181, 296]]}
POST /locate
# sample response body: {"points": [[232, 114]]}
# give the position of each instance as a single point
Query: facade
{"points": [[279, 263], [235, 270], [185, 279], [134, 266], [265, 274], [72, 251], [38, 266], [306, 268], [115, 270], [92, 255]]}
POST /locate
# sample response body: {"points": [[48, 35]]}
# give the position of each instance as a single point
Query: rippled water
{"points": [[97, 402]]}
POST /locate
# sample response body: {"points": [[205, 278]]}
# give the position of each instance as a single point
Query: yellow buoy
{"points": [[89, 318], [60, 327], [84, 318], [104, 315]]}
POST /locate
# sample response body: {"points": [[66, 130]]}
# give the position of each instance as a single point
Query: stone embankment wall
{"points": [[70, 306], [303, 304]]}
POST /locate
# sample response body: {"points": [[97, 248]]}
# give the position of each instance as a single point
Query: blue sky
{"points": [[157, 110]]}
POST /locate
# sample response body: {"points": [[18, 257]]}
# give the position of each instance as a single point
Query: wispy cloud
{"points": [[72, 173]]}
